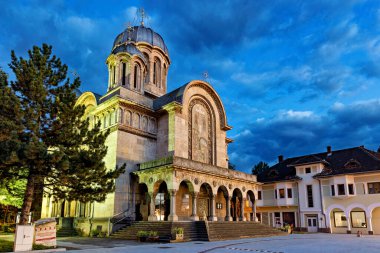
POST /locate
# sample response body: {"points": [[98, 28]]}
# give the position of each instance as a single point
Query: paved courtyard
{"points": [[310, 243]]}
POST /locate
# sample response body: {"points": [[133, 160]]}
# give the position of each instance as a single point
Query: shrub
{"points": [[142, 233], [94, 233], [178, 230], [153, 233]]}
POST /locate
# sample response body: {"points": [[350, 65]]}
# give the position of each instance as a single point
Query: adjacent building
{"points": [[336, 191]]}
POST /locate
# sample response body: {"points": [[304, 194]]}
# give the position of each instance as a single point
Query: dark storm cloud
{"points": [[294, 133]]}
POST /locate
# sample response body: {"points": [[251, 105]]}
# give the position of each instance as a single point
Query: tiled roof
{"points": [[338, 162], [175, 95]]}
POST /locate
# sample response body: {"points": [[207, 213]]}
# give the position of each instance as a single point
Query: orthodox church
{"points": [[174, 144]]}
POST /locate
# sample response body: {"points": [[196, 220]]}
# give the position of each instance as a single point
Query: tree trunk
{"points": [[28, 199]]}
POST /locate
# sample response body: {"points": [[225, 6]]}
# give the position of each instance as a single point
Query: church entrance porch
{"points": [[179, 189]]}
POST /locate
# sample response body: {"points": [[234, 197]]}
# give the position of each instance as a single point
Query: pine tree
{"points": [[259, 168], [55, 147]]}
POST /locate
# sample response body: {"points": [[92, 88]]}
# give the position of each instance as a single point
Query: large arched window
{"points": [[146, 75], [137, 76], [157, 72]]}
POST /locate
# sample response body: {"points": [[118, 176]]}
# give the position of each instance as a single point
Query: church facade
{"points": [[174, 144]]}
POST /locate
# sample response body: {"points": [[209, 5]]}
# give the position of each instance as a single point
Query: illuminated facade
{"points": [[174, 144]]}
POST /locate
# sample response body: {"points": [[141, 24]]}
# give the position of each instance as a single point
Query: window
{"points": [[307, 170], [259, 195], [351, 189], [113, 74], [275, 193], [290, 193], [185, 202], [157, 72], [340, 219], [358, 219], [374, 188], [341, 190], [124, 73], [282, 193], [136, 80], [309, 191], [332, 190]]}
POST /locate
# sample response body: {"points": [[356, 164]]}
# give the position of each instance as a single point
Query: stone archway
{"points": [[142, 203], [204, 201], [250, 212], [161, 201], [222, 201], [237, 205], [184, 200]]}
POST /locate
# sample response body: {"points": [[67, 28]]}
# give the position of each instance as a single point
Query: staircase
{"points": [[225, 230], [199, 230]]}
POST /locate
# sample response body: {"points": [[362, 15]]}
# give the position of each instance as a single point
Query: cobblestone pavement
{"points": [[297, 243]]}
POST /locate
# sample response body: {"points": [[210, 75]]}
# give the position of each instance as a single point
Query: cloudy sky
{"points": [[294, 76]]}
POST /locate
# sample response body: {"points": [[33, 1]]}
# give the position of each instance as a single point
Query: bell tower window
{"points": [[136, 73], [124, 73], [157, 72], [113, 75]]}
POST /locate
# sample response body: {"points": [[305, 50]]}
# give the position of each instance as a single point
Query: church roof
{"points": [[175, 95], [139, 34]]}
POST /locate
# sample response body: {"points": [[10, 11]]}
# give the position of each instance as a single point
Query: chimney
{"points": [[280, 158], [329, 149]]}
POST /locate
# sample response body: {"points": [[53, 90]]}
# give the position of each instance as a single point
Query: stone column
{"points": [[194, 215], [254, 211], [228, 206], [369, 225], [173, 215], [348, 223], [242, 205], [212, 209], [152, 207]]}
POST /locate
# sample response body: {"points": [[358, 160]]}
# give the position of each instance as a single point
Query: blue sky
{"points": [[294, 76]]}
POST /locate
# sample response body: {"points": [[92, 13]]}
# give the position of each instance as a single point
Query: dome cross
{"points": [[141, 12]]}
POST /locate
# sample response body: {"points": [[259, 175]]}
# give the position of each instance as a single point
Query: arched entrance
{"points": [[221, 203], [250, 213], [376, 221], [184, 199], [161, 201], [142, 203], [237, 208], [204, 201], [358, 219]]}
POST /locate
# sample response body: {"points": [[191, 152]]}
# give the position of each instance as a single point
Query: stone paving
{"points": [[297, 243]]}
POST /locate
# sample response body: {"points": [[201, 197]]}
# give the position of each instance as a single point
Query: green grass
{"points": [[6, 246]]}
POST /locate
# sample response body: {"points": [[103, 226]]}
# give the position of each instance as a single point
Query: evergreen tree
{"points": [[53, 145], [260, 167]]}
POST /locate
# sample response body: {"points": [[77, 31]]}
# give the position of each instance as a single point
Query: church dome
{"points": [[139, 34]]}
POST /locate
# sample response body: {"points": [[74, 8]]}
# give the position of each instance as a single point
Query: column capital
{"points": [[194, 194], [172, 192]]}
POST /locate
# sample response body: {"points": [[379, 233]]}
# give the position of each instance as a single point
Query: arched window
{"points": [[136, 73], [163, 82], [157, 72], [147, 74], [113, 75], [123, 73]]}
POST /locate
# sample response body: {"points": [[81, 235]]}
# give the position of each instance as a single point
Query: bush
{"points": [[178, 230], [80, 232], [153, 233], [102, 234], [142, 233], [94, 233]]}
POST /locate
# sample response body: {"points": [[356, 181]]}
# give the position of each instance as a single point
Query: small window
{"points": [[341, 190], [351, 189], [282, 193], [307, 170], [275, 193], [259, 195], [374, 188], [332, 190], [290, 193]]}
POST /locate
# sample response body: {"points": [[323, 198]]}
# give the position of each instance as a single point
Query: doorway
{"points": [[312, 226]]}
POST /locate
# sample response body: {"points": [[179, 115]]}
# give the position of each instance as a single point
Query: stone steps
{"points": [[193, 231], [236, 230]]}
